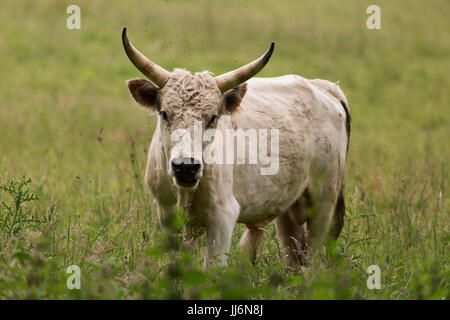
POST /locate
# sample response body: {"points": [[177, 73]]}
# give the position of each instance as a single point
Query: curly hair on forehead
{"points": [[190, 88]]}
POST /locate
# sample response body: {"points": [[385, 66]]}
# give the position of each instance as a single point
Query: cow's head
{"points": [[183, 101]]}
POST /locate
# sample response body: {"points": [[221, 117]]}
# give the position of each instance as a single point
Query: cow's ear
{"points": [[144, 92], [232, 98]]}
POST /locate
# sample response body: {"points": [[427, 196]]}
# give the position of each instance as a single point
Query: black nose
{"points": [[185, 169]]}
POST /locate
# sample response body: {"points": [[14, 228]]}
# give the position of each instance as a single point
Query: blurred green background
{"points": [[68, 121]]}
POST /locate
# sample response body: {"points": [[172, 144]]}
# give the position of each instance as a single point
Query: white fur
{"points": [[312, 151]]}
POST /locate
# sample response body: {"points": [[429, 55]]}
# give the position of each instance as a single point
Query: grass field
{"points": [[68, 122]]}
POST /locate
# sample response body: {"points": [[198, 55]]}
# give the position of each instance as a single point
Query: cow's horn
{"points": [[150, 69], [233, 78]]}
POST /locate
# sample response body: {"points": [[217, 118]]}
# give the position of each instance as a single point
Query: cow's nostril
{"points": [[185, 168], [195, 167]]}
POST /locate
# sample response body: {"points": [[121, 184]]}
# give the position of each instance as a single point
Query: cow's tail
{"points": [[339, 211]]}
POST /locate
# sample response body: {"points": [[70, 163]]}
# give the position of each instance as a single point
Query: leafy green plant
{"points": [[16, 214]]}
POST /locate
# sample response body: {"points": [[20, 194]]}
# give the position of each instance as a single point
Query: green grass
{"points": [[69, 123]]}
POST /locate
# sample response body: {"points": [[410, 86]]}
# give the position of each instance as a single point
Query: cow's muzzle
{"points": [[186, 171]]}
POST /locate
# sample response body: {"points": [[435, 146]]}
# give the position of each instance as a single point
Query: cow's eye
{"points": [[212, 121], [164, 115]]}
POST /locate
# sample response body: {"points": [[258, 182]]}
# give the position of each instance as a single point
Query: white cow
{"points": [[304, 197]]}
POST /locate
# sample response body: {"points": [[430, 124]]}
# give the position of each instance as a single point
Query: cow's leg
{"points": [[337, 222], [291, 230], [319, 220], [219, 229], [166, 216], [251, 240]]}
